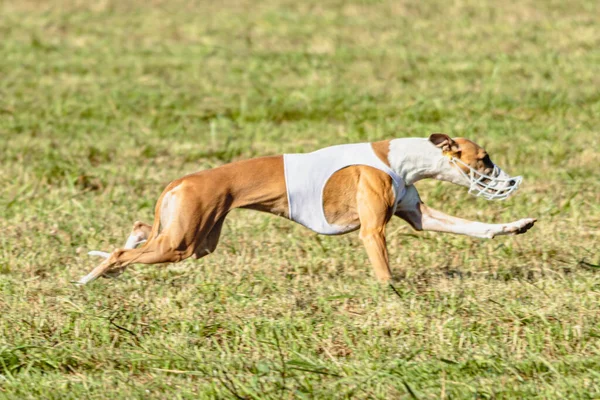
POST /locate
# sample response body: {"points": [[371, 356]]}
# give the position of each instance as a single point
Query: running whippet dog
{"points": [[332, 191]]}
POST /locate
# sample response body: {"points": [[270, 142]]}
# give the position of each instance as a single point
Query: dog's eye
{"points": [[485, 165], [487, 161]]}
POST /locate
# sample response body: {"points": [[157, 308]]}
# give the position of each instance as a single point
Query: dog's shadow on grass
{"points": [[424, 280]]}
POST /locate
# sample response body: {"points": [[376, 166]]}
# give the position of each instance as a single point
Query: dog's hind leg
{"points": [[186, 222], [139, 234], [157, 251], [209, 244]]}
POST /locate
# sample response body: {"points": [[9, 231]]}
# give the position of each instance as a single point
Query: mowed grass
{"points": [[103, 103]]}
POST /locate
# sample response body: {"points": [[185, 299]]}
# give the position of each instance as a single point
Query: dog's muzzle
{"points": [[496, 187]]}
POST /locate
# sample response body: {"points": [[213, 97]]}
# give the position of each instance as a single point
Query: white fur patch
{"points": [[98, 253], [417, 158]]}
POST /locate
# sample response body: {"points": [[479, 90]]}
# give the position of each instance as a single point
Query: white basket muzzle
{"points": [[496, 187]]}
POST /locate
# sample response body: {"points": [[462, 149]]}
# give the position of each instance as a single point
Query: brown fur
{"points": [[190, 212]]}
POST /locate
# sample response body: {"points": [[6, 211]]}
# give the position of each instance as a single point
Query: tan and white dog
{"points": [[190, 211]]}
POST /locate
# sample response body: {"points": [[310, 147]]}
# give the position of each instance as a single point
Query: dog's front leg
{"points": [[374, 242], [433, 220], [374, 206], [421, 217]]}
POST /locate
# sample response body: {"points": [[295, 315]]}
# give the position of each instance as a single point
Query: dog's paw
{"points": [[519, 227], [102, 254]]}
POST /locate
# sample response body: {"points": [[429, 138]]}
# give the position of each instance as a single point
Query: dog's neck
{"points": [[417, 158]]}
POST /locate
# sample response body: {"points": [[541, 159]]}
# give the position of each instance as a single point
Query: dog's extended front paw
{"points": [[519, 227]]}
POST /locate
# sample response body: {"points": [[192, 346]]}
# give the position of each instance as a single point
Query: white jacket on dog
{"points": [[307, 174]]}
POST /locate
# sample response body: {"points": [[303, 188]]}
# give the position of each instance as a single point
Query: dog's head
{"points": [[471, 166]]}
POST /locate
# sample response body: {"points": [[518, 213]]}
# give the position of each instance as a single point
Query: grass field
{"points": [[103, 103]]}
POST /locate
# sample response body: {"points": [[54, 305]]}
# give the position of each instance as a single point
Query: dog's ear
{"points": [[445, 143]]}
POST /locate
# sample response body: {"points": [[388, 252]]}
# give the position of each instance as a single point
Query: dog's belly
{"points": [[343, 229]]}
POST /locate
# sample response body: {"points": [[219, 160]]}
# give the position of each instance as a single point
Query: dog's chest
{"points": [[307, 174]]}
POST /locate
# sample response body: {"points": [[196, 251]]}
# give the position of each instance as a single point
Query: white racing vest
{"points": [[306, 175]]}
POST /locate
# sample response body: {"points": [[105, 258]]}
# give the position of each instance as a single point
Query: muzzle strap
{"points": [[489, 187]]}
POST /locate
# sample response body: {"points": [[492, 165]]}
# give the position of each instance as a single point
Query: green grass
{"points": [[102, 105]]}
